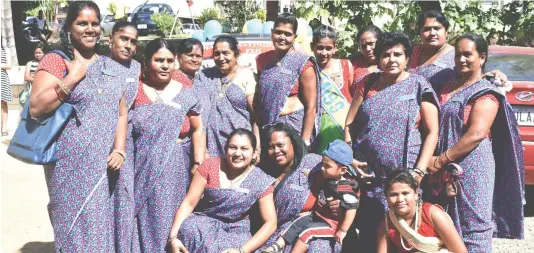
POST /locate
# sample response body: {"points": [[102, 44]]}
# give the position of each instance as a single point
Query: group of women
{"points": [[218, 160]]}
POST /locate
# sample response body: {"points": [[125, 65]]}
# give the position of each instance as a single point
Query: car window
{"points": [[517, 67]]}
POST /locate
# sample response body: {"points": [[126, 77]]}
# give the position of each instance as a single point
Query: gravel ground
{"points": [[25, 226]]}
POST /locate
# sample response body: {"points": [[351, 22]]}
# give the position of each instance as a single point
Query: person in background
{"points": [[475, 120], [42, 23], [92, 142], [227, 92], [395, 117], [123, 44], [7, 95], [364, 61], [336, 78], [288, 83], [166, 153], [412, 226], [31, 68], [492, 39], [215, 214]]}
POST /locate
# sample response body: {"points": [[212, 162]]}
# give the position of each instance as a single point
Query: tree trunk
{"points": [[8, 36]]}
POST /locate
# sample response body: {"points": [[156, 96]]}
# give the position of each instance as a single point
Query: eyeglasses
{"points": [[277, 125]]}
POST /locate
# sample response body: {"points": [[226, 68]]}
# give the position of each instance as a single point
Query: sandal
{"points": [[275, 248], [5, 134]]}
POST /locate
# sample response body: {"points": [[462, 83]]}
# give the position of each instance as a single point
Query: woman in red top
{"points": [[364, 61], [413, 227], [189, 56]]}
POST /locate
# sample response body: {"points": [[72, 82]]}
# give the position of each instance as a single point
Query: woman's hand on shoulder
{"points": [[76, 70]]}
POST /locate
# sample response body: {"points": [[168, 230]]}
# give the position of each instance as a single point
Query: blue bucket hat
{"points": [[340, 152]]}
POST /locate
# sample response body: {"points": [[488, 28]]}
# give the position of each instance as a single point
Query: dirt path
{"points": [[26, 227]]}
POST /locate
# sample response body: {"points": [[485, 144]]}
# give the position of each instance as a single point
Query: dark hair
{"points": [[186, 46], [390, 39], [324, 32], [119, 26], [38, 45], [299, 147], [287, 18], [242, 132], [400, 176], [40, 12], [154, 46], [432, 14], [230, 40], [368, 28], [481, 44], [72, 14]]}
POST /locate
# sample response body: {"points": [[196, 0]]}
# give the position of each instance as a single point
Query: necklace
{"points": [[416, 217], [223, 85], [158, 99], [238, 178]]}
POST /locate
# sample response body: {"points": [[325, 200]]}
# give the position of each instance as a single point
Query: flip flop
{"points": [[5, 134], [275, 248]]}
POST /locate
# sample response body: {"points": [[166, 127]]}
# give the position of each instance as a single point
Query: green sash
{"points": [[336, 109]]}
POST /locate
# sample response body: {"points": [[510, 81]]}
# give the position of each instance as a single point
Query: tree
{"points": [[236, 13], [8, 37], [261, 14], [164, 22], [209, 14], [112, 8]]}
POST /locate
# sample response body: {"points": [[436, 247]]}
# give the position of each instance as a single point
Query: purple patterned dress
{"points": [[226, 108], [274, 85], [124, 201], [438, 72], [290, 199], [81, 204], [491, 197], [217, 223], [385, 133], [162, 167]]}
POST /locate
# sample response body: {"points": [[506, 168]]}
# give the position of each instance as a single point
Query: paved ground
{"points": [[25, 226]]}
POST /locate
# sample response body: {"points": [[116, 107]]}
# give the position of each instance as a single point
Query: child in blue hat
{"points": [[336, 181]]}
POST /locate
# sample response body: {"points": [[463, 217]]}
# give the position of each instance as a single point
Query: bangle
{"points": [[196, 163], [447, 156], [120, 152], [63, 86], [420, 172], [61, 95], [436, 160]]}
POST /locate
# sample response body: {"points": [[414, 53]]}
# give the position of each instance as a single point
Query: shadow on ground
{"points": [[38, 247]]}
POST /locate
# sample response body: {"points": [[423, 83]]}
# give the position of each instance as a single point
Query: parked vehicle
{"points": [[189, 28], [31, 30], [518, 64], [144, 13], [108, 21]]}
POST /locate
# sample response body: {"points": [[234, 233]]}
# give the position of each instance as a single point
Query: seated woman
{"points": [[222, 192], [413, 227]]}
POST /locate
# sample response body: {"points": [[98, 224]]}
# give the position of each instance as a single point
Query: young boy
{"points": [[335, 181]]}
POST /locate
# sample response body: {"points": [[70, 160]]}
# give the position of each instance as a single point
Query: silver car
{"points": [[108, 21], [189, 28]]}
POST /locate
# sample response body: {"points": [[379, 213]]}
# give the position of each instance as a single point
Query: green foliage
{"points": [[514, 21], [164, 22], [236, 13], [209, 14], [112, 8], [261, 14]]}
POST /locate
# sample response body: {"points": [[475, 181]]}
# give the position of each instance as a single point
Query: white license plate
{"points": [[524, 115], [141, 26]]}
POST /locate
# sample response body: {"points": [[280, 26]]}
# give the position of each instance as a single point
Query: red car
{"points": [[518, 64]]}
